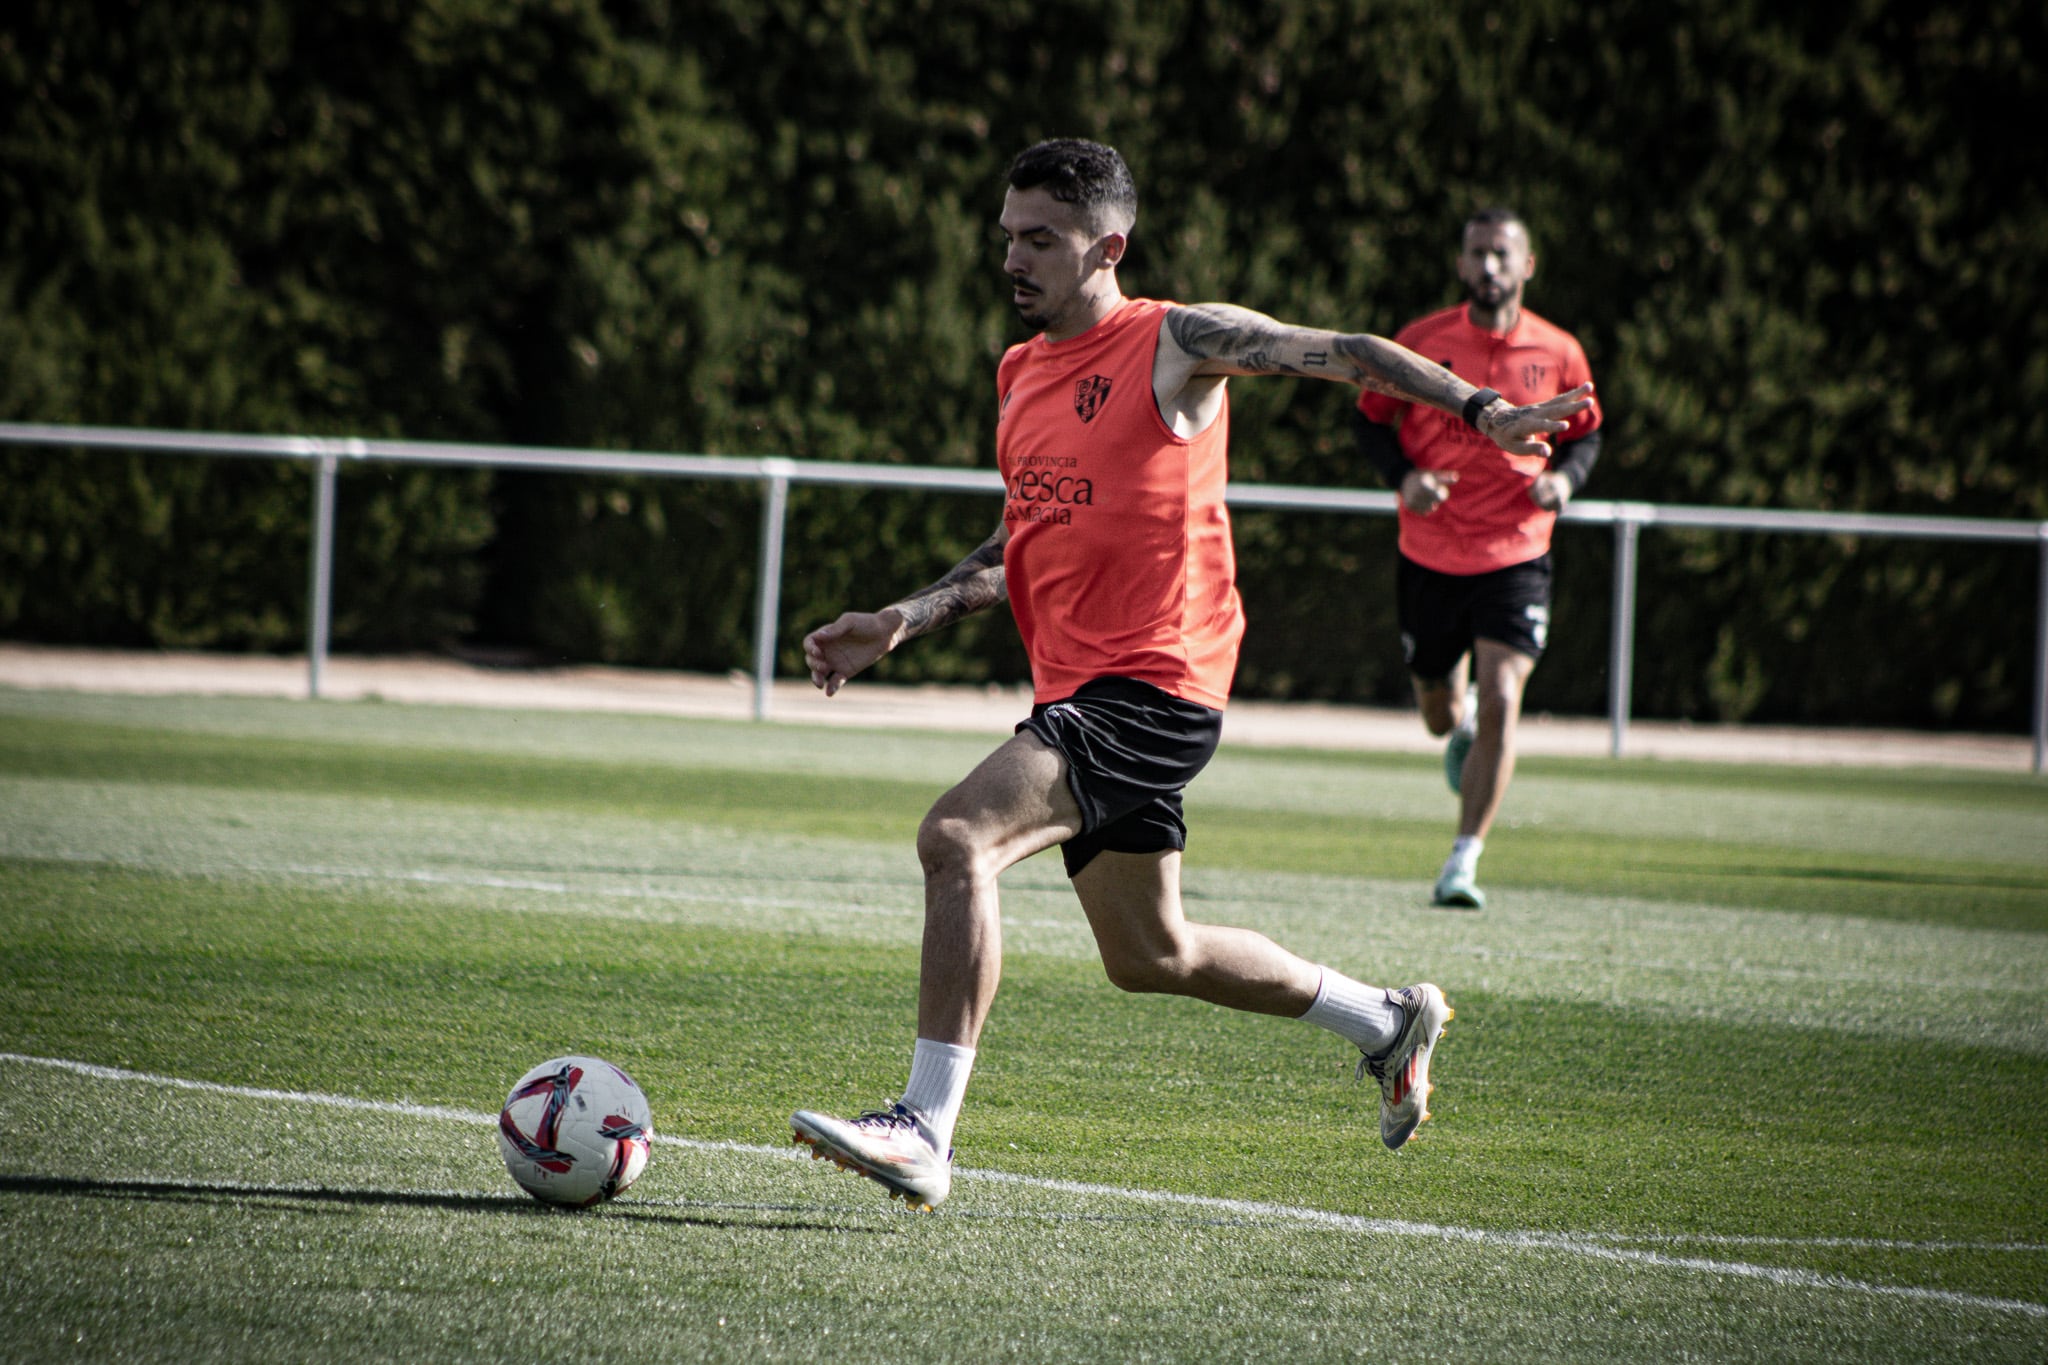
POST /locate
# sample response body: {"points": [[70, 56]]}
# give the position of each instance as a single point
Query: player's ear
{"points": [[1112, 248]]}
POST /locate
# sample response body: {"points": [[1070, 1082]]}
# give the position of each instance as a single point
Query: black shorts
{"points": [[1130, 748], [1442, 613]]}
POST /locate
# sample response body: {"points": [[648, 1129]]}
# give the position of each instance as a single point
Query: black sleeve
{"points": [[1574, 459], [1381, 448]]}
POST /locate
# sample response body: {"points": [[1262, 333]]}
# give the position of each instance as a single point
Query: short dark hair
{"points": [[1497, 216], [1086, 174]]}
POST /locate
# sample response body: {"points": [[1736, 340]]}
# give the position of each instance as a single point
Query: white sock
{"points": [[1366, 1016], [1465, 851], [938, 1085], [1470, 723]]}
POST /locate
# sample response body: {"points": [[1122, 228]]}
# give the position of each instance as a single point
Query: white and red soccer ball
{"points": [[575, 1131]]}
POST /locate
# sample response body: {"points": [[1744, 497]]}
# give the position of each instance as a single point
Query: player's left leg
{"points": [[1147, 943], [1132, 901], [1502, 673]]}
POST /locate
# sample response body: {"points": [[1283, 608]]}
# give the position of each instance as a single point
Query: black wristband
{"points": [[1476, 404]]}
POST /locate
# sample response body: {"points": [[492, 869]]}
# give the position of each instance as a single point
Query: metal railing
{"points": [[776, 474]]}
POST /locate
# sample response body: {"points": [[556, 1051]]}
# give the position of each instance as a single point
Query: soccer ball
{"points": [[575, 1131]]}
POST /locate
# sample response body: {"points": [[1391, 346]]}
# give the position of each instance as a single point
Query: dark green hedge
{"points": [[1804, 248]]}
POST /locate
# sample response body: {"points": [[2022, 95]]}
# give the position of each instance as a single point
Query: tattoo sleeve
{"points": [[1245, 342], [1248, 342], [973, 584], [1383, 367]]}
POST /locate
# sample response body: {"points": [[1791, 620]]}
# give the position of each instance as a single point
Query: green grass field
{"points": [[1749, 1063]]}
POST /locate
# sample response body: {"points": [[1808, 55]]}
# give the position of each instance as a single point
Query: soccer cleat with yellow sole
{"points": [[1403, 1069]]}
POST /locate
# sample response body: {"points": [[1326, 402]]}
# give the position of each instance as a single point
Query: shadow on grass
{"points": [[721, 1216], [1963, 881]]}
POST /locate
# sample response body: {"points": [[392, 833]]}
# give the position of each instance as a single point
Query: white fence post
{"points": [[320, 589], [2041, 659], [1621, 647], [768, 602]]}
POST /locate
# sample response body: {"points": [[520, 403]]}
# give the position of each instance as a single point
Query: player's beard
{"points": [[1031, 311], [1489, 295]]}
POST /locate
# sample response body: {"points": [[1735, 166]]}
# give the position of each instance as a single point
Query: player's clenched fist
{"points": [[836, 652]]}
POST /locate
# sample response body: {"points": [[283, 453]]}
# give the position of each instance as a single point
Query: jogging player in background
{"points": [[1114, 552], [1472, 579]]}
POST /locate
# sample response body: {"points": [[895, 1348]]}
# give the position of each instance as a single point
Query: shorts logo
{"points": [[1539, 622], [1089, 396]]}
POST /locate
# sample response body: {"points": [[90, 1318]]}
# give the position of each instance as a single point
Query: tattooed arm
{"points": [[1203, 344], [969, 586], [838, 651]]}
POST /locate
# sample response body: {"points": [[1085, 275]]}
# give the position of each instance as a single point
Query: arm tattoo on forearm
{"points": [[1247, 341], [1393, 370], [976, 582], [1252, 343]]}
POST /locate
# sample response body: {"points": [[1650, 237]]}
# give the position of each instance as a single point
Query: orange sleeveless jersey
{"points": [[1488, 522], [1119, 562]]}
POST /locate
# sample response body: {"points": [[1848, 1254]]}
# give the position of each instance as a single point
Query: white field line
{"points": [[911, 908], [1595, 1246]]}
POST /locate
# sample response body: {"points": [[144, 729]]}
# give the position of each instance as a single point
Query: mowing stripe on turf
{"points": [[1594, 1246], [583, 893]]}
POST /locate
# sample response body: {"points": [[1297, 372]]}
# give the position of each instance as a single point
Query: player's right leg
{"points": [[1444, 701], [1450, 708], [1433, 611], [1015, 803]]}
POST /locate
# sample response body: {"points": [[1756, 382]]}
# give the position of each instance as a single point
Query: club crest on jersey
{"points": [[1532, 375], [1089, 396]]}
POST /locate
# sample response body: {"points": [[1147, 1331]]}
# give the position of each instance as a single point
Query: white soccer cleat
{"points": [[1458, 889], [1403, 1069], [892, 1147]]}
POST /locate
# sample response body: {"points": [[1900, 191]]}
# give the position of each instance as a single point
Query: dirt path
{"points": [[991, 710]]}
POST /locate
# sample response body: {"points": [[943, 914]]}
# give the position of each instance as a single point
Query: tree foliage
{"points": [[1803, 249]]}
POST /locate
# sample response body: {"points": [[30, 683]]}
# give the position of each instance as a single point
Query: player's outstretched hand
{"points": [[842, 649], [1523, 431]]}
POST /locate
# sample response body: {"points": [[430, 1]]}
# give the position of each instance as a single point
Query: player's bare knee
{"points": [[1148, 973], [1134, 975], [1498, 706], [947, 845]]}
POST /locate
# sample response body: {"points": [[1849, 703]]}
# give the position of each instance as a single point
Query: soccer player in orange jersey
{"points": [[1114, 553], [1473, 575]]}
